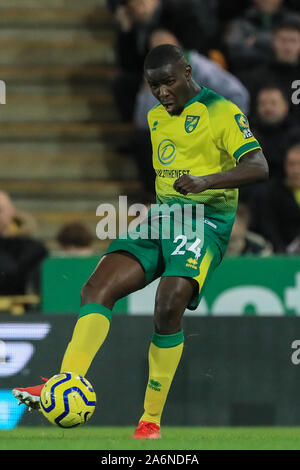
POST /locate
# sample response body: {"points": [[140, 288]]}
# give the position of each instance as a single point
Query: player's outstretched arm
{"points": [[251, 168]]}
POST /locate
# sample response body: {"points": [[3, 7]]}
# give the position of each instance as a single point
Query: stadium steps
{"points": [[36, 104], [64, 162], [49, 4], [55, 75], [52, 189], [48, 131], [56, 202], [70, 51], [59, 129], [48, 15]]}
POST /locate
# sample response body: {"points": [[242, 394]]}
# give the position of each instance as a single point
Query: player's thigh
{"points": [[172, 297], [116, 275], [195, 260]]}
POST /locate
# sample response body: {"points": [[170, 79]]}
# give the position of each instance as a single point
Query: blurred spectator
{"points": [[248, 38], [7, 212], [112, 5], [284, 67], [274, 128], [243, 241], [20, 255], [75, 239], [192, 21], [142, 152], [205, 72], [14, 222], [294, 247], [276, 212], [231, 9]]}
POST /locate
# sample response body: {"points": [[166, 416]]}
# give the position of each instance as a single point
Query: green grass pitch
{"points": [[173, 438]]}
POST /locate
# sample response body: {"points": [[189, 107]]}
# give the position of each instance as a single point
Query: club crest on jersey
{"points": [[191, 123], [243, 124]]}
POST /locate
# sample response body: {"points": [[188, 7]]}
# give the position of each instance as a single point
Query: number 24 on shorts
{"points": [[181, 247]]}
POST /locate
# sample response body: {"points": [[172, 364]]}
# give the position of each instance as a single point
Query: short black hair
{"points": [[294, 145], [273, 85], [288, 22], [163, 55], [74, 234]]}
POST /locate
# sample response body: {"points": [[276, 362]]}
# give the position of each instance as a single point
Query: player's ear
{"points": [[188, 72]]}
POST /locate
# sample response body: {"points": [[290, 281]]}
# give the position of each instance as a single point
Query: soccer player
{"points": [[203, 150]]}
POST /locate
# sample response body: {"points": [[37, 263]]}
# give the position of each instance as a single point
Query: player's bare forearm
{"points": [[252, 168]]}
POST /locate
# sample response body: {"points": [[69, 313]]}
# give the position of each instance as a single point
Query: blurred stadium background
{"points": [[69, 143]]}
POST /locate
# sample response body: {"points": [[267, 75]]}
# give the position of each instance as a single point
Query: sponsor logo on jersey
{"points": [[166, 152], [243, 124], [171, 173], [191, 123]]}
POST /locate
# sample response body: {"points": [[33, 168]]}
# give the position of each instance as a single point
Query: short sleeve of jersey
{"points": [[231, 130]]}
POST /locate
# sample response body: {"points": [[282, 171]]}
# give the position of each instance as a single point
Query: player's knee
{"points": [[92, 293], [169, 310], [167, 319]]}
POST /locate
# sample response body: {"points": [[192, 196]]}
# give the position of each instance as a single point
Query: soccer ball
{"points": [[68, 400]]}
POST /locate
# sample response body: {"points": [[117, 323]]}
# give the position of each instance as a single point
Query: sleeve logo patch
{"points": [[243, 124]]}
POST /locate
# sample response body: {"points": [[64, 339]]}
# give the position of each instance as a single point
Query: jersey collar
{"points": [[196, 98]]}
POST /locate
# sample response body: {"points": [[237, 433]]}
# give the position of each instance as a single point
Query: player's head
{"points": [[292, 166], [286, 40], [272, 105], [169, 76]]}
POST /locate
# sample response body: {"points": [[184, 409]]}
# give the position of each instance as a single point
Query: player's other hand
{"points": [[190, 184]]}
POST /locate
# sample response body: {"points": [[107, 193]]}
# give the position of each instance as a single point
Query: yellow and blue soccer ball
{"points": [[68, 400]]}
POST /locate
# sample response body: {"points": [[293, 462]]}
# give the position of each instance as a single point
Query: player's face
{"points": [[170, 85]]}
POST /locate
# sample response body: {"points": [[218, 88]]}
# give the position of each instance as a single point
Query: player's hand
{"points": [[190, 184]]}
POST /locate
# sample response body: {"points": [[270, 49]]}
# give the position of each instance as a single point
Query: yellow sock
{"points": [[164, 355], [89, 334]]}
